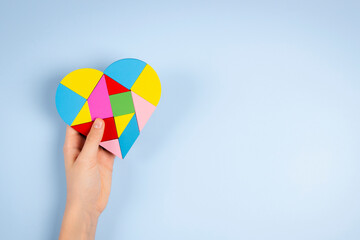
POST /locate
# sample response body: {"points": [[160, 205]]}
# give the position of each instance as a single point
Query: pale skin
{"points": [[88, 178]]}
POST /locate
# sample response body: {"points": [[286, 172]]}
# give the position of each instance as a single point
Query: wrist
{"points": [[82, 209], [78, 222]]}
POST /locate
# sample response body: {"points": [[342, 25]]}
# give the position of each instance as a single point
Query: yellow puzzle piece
{"points": [[121, 122], [82, 81], [148, 85], [83, 116]]}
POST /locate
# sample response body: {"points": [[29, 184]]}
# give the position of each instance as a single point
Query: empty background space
{"points": [[256, 135]]}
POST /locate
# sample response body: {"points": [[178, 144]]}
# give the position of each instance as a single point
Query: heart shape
{"points": [[124, 96]]}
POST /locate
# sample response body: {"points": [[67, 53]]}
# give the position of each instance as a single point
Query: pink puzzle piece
{"points": [[112, 146], [143, 110], [99, 101]]}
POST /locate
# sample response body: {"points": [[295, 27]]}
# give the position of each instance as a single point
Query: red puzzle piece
{"points": [[110, 129], [114, 87], [109, 132], [83, 128]]}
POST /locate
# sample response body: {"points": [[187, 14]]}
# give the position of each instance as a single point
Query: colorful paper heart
{"points": [[125, 96]]}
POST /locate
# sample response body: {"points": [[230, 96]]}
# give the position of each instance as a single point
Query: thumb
{"points": [[93, 139]]}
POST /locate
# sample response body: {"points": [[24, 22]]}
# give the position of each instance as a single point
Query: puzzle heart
{"points": [[125, 96]]}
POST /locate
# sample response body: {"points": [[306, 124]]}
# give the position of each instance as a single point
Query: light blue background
{"points": [[256, 135]]}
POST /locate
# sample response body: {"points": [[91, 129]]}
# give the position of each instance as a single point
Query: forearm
{"points": [[78, 224]]}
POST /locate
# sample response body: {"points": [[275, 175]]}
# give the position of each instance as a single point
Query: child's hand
{"points": [[88, 176]]}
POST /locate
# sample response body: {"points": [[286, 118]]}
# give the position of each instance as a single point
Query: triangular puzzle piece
{"points": [[112, 146], [83, 128], [143, 110], [129, 136], [83, 116], [121, 122], [99, 102], [114, 87]]}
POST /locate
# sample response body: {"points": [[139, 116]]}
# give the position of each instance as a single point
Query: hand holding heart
{"points": [[110, 108], [88, 175]]}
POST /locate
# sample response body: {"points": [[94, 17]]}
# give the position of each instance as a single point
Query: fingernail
{"points": [[97, 123]]}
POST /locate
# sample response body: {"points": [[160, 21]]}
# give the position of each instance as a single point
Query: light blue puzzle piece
{"points": [[125, 71], [128, 137], [68, 103]]}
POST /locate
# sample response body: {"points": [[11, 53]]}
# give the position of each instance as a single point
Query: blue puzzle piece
{"points": [[128, 137], [125, 71], [68, 103]]}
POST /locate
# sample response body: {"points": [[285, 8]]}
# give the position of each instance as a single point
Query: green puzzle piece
{"points": [[122, 104]]}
